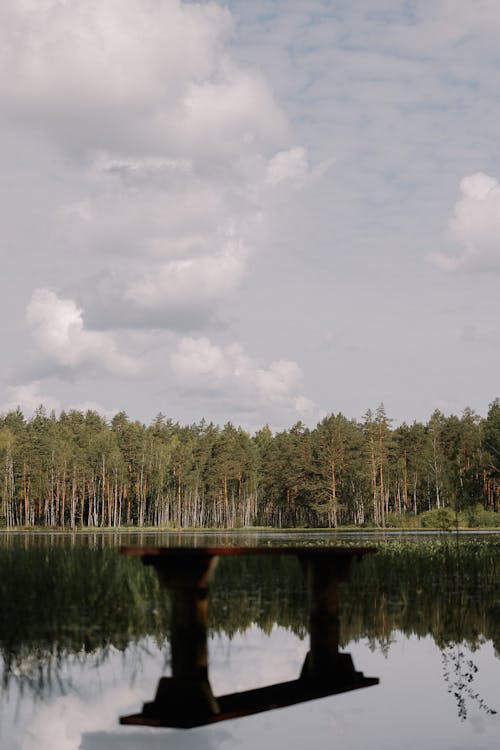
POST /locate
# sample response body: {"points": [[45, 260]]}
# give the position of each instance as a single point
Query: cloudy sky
{"points": [[260, 212]]}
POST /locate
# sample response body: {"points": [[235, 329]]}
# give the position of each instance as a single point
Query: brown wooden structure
{"points": [[186, 699]]}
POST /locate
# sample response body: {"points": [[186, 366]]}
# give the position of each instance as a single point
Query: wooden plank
{"points": [[245, 703], [197, 552]]}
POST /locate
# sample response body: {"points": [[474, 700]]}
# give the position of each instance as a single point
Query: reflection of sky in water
{"points": [[410, 708]]}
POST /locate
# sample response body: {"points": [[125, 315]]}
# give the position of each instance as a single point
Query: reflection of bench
{"points": [[186, 698]]}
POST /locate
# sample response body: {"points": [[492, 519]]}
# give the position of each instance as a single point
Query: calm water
{"points": [[83, 641]]}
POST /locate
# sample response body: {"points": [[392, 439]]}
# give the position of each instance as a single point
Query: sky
{"points": [[251, 212]]}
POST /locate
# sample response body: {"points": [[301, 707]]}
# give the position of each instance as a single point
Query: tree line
{"points": [[79, 470]]}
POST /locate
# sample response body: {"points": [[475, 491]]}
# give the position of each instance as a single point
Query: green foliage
{"points": [[79, 471], [443, 519], [479, 518], [406, 520]]}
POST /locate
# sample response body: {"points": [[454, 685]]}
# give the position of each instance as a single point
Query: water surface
{"points": [[83, 641]]}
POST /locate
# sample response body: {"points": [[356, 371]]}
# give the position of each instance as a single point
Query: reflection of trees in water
{"points": [[459, 669], [447, 589], [59, 600], [429, 589], [459, 672]]}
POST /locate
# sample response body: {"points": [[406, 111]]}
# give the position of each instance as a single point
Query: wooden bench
{"points": [[186, 699]]}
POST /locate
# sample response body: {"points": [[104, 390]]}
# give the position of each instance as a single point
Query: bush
{"points": [[443, 519], [402, 520], [479, 517]]}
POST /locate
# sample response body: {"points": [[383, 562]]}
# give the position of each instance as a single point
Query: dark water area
{"points": [[84, 639]]}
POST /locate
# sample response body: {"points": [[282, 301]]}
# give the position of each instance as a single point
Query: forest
{"points": [[78, 470]]}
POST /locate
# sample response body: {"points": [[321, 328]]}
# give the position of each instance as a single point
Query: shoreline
{"points": [[248, 530]]}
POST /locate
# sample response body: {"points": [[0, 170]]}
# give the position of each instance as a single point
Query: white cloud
{"points": [[228, 372], [28, 397], [180, 149], [475, 225], [156, 73], [176, 235], [58, 328], [147, 214], [195, 280], [235, 111], [456, 21], [176, 238], [288, 165]]}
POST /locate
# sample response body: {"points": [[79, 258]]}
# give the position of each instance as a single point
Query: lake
{"points": [[83, 641]]}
